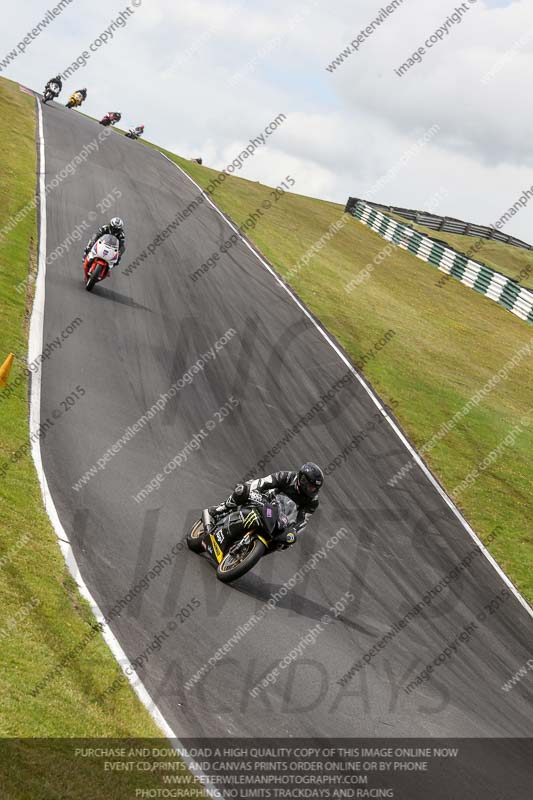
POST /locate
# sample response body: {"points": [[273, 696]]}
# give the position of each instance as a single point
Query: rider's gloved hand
{"points": [[285, 539], [216, 511]]}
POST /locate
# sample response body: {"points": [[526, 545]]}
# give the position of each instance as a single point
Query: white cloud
{"points": [[171, 67]]}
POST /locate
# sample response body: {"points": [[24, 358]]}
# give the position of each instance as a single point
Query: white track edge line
{"points": [[35, 345], [427, 472]]}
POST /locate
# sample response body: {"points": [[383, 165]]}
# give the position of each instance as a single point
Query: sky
{"points": [[452, 133]]}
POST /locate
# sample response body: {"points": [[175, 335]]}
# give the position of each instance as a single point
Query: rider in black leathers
{"points": [[301, 487], [115, 228], [113, 116], [57, 80]]}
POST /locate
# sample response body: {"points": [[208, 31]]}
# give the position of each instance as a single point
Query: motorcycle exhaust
{"points": [[206, 520]]}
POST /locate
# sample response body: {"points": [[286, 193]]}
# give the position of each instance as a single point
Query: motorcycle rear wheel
{"points": [[194, 537], [231, 568]]}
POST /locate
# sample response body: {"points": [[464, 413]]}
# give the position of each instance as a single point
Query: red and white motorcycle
{"points": [[111, 118], [100, 260]]}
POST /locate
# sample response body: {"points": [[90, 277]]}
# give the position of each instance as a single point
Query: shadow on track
{"points": [[116, 297], [259, 589]]}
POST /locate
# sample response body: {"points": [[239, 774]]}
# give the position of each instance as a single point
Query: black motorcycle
{"points": [[236, 541], [51, 92]]}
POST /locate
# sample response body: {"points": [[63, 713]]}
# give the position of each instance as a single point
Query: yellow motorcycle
{"points": [[75, 100]]}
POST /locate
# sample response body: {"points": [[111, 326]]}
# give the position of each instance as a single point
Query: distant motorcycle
{"points": [[135, 133], [100, 260], [75, 100], [111, 118], [238, 540], [51, 92]]}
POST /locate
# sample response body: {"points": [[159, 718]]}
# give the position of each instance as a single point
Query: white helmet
{"points": [[117, 223]]}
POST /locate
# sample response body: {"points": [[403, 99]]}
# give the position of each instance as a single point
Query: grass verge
{"points": [[42, 616], [514, 262]]}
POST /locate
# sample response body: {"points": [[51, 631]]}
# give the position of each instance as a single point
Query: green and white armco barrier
{"points": [[474, 274]]}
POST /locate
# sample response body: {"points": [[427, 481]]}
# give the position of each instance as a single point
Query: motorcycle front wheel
{"points": [[93, 278], [234, 566], [194, 537]]}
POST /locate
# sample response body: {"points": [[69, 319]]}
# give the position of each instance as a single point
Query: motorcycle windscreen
{"points": [[288, 511], [109, 240]]}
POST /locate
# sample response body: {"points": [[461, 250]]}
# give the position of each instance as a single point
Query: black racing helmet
{"points": [[310, 479]]}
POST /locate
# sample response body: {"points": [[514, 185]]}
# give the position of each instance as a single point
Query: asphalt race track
{"points": [[140, 333]]}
